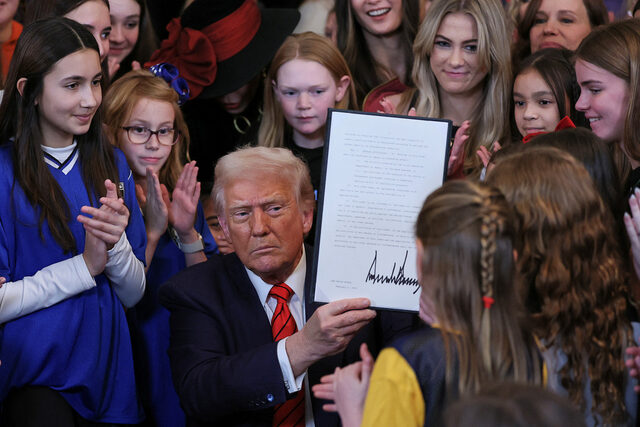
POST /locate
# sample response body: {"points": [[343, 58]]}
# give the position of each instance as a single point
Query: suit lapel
{"points": [[249, 309]]}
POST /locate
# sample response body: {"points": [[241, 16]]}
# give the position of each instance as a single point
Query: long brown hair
{"points": [[467, 231], [572, 270], [616, 49], [353, 45], [41, 45], [121, 99], [146, 44], [310, 47]]}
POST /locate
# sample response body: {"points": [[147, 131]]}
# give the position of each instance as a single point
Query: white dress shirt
{"points": [[296, 305]]}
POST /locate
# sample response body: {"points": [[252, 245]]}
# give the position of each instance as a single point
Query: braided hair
{"points": [[467, 233]]}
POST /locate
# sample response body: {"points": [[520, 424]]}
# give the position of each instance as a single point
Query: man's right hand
{"points": [[327, 332]]}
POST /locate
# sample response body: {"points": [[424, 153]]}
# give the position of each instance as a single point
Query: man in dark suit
{"points": [[227, 369]]}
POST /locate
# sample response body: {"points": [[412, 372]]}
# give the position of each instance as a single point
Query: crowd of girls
{"points": [[523, 280]]}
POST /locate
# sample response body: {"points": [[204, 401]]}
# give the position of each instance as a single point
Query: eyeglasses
{"points": [[141, 134]]}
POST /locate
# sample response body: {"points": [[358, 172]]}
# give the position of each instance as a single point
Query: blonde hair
{"points": [[467, 230], [119, 102], [310, 47], [489, 122], [513, 13]]}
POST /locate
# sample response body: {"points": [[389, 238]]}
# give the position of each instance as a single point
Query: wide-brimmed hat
{"points": [[220, 45]]}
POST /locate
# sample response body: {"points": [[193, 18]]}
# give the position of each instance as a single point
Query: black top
{"points": [[214, 132]]}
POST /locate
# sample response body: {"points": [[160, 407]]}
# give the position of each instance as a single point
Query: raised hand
{"points": [[350, 388], [347, 388], [456, 157], [184, 202], [485, 155], [156, 213], [632, 224], [633, 364], [110, 220]]}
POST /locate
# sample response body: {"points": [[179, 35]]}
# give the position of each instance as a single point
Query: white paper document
{"points": [[378, 170]]}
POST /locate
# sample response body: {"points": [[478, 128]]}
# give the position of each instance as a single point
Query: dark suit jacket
{"points": [[223, 359]]}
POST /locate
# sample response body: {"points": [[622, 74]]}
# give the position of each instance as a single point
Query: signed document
{"points": [[377, 171]]}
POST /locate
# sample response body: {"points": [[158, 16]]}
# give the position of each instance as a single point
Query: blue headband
{"points": [[171, 75]]}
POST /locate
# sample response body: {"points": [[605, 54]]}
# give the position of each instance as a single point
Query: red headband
{"points": [[196, 53]]}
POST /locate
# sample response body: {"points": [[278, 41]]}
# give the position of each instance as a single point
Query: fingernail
{"points": [[632, 197], [626, 215], [637, 191]]}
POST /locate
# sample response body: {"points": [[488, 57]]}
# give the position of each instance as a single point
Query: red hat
{"points": [[220, 45]]}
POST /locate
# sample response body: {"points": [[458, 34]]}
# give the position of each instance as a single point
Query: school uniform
{"points": [[80, 346], [149, 324]]}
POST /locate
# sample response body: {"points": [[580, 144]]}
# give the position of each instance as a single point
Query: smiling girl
{"points": [[462, 72], [65, 339], [606, 68], [131, 41], [143, 119], [308, 75], [544, 91], [376, 38], [93, 14], [558, 24]]}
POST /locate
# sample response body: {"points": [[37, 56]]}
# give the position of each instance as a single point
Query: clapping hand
{"points": [[104, 228]]}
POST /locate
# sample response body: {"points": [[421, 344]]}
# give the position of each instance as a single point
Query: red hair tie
{"points": [[488, 301]]}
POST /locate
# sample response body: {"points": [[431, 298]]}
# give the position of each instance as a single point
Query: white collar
{"points": [[295, 281], [63, 158], [62, 153]]}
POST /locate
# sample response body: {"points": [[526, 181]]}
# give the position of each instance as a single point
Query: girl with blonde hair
{"points": [[574, 280], [462, 72], [143, 119], [307, 76], [475, 331]]}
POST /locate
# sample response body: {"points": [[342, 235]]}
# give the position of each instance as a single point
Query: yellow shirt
{"points": [[394, 397]]}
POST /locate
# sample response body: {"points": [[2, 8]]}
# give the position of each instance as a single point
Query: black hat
{"points": [[220, 45]]}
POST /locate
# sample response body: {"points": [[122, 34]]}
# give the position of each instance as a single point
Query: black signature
{"points": [[395, 278]]}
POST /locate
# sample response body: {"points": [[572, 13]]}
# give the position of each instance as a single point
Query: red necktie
{"points": [[291, 412]]}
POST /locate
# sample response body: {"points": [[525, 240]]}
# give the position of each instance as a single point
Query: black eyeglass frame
{"points": [[176, 135]]}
